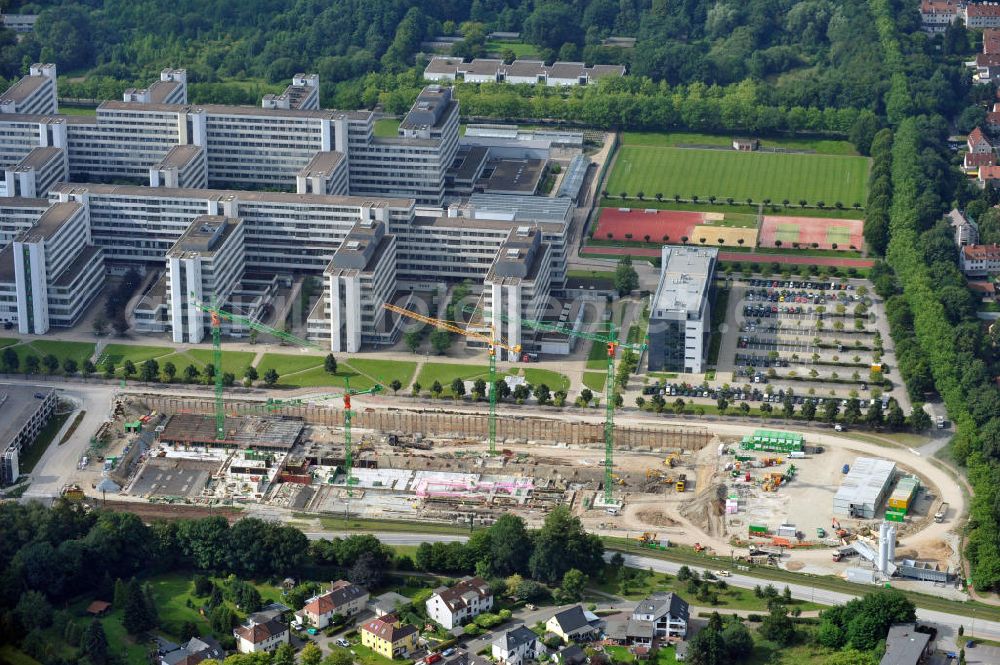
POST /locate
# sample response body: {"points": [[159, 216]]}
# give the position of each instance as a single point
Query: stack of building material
{"points": [[902, 499]]}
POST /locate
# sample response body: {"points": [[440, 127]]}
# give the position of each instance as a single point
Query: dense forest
{"points": [[811, 55]]}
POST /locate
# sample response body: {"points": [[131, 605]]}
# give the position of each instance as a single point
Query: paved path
{"points": [[784, 259]]}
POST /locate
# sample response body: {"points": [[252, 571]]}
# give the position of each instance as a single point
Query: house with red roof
{"points": [[255, 637], [343, 598], [980, 260], [978, 143]]}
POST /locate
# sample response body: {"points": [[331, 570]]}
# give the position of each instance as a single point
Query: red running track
{"points": [[788, 259]]}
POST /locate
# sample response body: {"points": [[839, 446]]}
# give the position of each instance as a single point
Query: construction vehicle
{"points": [[610, 339], [671, 460], [698, 547], [493, 343], [72, 492], [820, 532], [647, 538], [618, 479], [681, 482], [941, 513]]}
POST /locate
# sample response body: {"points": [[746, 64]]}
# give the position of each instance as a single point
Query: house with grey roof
{"points": [[905, 646], [516, 646], [667, 612], [192, 652], [572, 623], [467, 599]]}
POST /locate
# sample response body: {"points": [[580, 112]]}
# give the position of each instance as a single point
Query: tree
{"points": [[310, 654], [437, 388], [137, 617], [440, 341], [562, 544], [919, 420], [777, 626], [120, 325], [706, 648], [330, 364], [586, 395], [33, 611], [542, 394], [250, 374], [31, 364], [128, 368], [368, 571], [508, 546], [830, 410], [271, 377], [191, 373], [150, 371], [412, 340], [339, 657], [10, 360], [88, 369], [626, 278], [457, 387], [395, 384], [247, 597], [573, 585], [479, 389], [809, 410], [100, 325], [94, 643], [50, 363], [69, 366]]}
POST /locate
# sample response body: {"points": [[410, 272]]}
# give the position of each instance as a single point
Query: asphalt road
{"points": [[947, 623]]}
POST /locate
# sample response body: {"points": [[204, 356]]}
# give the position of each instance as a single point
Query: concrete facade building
{"points": [[37, 172], [518, 284], [183, 167], [204, 266], [528, 72], [24, 411], [326, 173], [467, 599], [35, 93], [680, 312]]}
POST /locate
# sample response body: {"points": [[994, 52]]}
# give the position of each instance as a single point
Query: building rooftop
{"points": [[573, 179], [204, 236], [322, 163], [524, 208], [431, 109], [17, 406], [513, 176], [519, 257], [228, 109], [864, 481], [223, 194], [160, 90], [39, 157], [50, 222], [179, 156], [904, 645], [685, 277], [981, 252], [24, 88], [514, 638], [23, 202]]}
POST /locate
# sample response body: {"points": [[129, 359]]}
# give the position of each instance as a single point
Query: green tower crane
{"points": [[494, 344], [610, 338], [217, 315]]}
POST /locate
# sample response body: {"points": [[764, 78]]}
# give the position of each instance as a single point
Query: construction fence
{"points": [[455, 425]]}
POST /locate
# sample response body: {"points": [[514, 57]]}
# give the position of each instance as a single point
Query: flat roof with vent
{"points": [[685, 277], [204, 236]]}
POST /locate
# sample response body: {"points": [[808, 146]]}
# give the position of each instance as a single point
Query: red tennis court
{"points": [[807, 232], [659, 225]]}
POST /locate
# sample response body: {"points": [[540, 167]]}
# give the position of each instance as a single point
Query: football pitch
{"points": [[739, 175]]}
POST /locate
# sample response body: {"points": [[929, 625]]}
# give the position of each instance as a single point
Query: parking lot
{"points": [[802, 341]]}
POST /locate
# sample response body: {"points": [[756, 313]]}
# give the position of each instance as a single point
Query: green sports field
{"points": [[740, 175]]}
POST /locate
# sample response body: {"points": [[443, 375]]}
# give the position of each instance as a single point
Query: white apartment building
{"points": [[302, 94], [17, 214], [516, 646], [528, 72], [204, 266], [170, 89], [343, 598], [34, 175], [35, 93], [360, 278], [23, 414], [183, 167], [668, 613], [257, 637], [467, 599], [20, 134], [980, 260], [517, 285], [326, 173], [53, 270], [680, 313]]}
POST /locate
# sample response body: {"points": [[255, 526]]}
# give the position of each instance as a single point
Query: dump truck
{"points": [[681, 482], [942, 511]]}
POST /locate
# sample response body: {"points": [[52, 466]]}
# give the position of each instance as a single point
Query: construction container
{"points": [[772, 441], [895, 516], [906, 490], [757, 530]]}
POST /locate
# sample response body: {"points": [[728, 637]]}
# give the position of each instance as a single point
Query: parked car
{"points": [[343, 643]]}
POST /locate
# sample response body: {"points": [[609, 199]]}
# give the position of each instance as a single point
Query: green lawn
{"points": [[11, 656], [119, 353], [232, 361], [286, 364], [554, 380], [319, 377], [384, 370], [448, 372], [8, 341], [664, 655], [366, 656], [674, 139], [78, 351], [590, 274], [29, 456], [595, 380], [741, 175], [597, 357], [520, 49], [386, 127]]}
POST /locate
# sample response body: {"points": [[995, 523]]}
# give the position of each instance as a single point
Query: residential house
{"points": [[978, 143], [991, 40], [989, 175], [469, 598], [388, 637], [193, 652], [667, 611], [905, 646], [343, 598], [965, 230], [639, 633], [387, 603], [971, 161], [516, 646], [571, 655], [572, 624], [255, 637], [937, 15], [980, 260]]}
